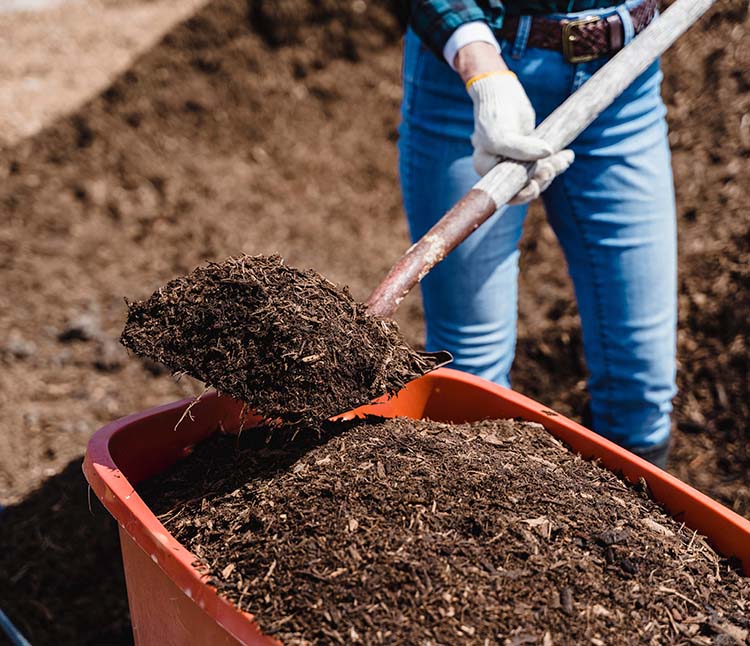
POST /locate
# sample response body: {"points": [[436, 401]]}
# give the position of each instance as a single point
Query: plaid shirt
{"points": [[435, 20]]}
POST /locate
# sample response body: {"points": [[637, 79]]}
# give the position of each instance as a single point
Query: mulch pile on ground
{"points": [[411, 532], [288, 342]]}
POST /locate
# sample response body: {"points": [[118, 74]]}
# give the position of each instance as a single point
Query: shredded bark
{"points": [[413, 532], [288, 342]]}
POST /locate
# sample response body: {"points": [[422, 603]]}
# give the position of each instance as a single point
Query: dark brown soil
{"points": [[404, 532], [289, 343], [242, 133]]}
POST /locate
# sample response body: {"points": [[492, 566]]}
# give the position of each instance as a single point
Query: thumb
{"points": [[550, 167], [523, 147], [530, 192]]}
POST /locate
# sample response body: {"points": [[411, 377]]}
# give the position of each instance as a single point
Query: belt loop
{"points": [[627, 23], [522, 37]]}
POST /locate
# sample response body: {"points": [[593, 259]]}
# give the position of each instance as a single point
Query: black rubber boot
{"points": [[654, 454]]}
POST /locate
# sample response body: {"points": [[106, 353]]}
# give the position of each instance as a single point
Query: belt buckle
{"points": [[569, 38]]}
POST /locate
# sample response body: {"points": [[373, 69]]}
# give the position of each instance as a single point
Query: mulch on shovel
{"points": [[412, 532], [288, 341]]}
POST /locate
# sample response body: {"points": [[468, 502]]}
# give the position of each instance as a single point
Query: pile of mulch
{"points": [[414, 532], [288, 342]]}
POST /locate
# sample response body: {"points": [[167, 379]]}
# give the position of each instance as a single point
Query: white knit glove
{"points": [[503, 123]]}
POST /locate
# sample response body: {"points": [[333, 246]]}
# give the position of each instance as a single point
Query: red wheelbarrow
{"points": [[170, 601]]}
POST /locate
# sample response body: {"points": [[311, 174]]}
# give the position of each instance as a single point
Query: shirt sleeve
{"points": [[435, 21], [470, 32]]}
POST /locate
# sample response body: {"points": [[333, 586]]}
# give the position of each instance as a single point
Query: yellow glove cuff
{"points": [[478, 77]]}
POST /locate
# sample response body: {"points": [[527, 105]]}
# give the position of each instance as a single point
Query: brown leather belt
{"points": [[583, 39]]}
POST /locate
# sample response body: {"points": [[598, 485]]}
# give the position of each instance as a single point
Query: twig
{"points": [[186, 412], [270, 571], [680, 595]]}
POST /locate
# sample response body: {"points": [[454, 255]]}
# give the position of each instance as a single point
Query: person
{"points": [[478, 76]]}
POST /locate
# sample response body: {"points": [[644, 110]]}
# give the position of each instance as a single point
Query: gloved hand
{"points": [[503, 122]]}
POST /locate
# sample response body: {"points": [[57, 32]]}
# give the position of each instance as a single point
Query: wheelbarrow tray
{"points": [[170, 601]]}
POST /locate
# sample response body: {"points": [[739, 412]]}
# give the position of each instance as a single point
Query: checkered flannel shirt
{"points": [[435, 20]]}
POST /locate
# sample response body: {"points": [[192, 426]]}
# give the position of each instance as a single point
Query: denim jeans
{"points": [[612, 211]]}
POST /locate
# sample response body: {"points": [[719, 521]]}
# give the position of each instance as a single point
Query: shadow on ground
{"points": [[61, 578]]}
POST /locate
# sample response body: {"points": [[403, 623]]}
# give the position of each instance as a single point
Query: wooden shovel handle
{"points": [[559, 129]]}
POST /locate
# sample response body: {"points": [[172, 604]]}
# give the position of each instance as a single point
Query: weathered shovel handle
{"points": [[560, 129]]}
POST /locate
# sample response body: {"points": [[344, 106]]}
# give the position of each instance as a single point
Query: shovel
{"points": [[559, 129], [231, 343]]}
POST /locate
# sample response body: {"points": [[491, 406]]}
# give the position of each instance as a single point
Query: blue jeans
{"points": [[612, 211]]}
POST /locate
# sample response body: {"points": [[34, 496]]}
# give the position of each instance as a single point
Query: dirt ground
{"points": [[67, 51], [270, 127]]}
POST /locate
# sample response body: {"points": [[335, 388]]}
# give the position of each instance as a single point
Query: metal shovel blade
{"points": [[437, 359]]}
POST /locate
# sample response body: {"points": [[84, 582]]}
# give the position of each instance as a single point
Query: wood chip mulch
{"points": [[292, 343], [414, 532]]}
